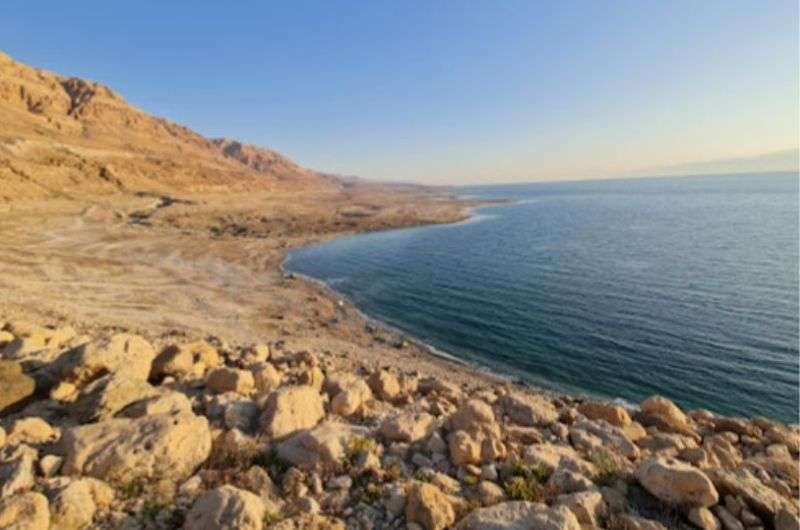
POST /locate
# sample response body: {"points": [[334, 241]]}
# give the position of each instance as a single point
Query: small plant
{"points": [[528, 483], [369, 493], [355, 447], [393, 473], [422, 475], [132, 490], [608, 469], [273, 517], [151, 510], [471, 480]]}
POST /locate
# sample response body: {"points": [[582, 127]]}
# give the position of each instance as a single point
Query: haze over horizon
{"points": [[443, 95]]}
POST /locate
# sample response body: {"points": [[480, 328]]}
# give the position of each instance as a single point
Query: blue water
{"points": [[686, 287]]}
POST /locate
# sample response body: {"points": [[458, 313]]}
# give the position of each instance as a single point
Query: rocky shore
{"points": [[115, 431]]}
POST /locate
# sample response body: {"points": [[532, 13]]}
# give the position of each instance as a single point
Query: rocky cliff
{"points": [[69, 137]]}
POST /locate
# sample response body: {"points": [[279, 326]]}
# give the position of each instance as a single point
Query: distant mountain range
{"points": [[785, 160], [65, 136]]}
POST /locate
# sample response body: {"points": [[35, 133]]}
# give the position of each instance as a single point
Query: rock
{"points": [[612, 438], [634, 431], [49, 465], [313, 377], [17, 387], [738, 425], [290, 409], [351, 398], [407, 426], [587, 506], [266, 377], [702, 518], [568, 481], [464, 449], [104, 397], [614, 414], [384, 385], [490, 493], [2, 437], [241, 414], [785, 520], [255, 354], [427, 506], [670, 417], [664, 441], [226, 508], [529, 410], [520, 515], [164, 402], [191, 359], [122, 354], [728, 520], [224, 379], [557, 457], [474, 416], [26, 511], [676, 482], [631, 522], [323, 446], [16, 469], [765, 501], [394, 501], [168, 446], [74, 503], [31, 430]]}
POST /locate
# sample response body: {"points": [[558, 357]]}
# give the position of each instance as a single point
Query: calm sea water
{"points": [[687, 287]]}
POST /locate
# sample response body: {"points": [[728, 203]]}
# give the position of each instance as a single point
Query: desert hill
{"points": [[65, 136]]}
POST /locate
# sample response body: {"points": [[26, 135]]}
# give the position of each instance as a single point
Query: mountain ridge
{"points": [[67, 136]]}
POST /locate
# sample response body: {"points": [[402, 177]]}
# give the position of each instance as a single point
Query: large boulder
{"points": [[224, 379], [520, 515], [290, 409], [676, 482], [73, 503], [765, 501], [609, 436], [408, 426], [351, 398], [17, 387], [266, 377], [123, 354], [557, 457], [226, 508], [587, 506], [165, 402], [16, 469], [190, 359], [26, 511], [614, 414], [530, 409], [169, 446], [429, 507], [31, 430], [325, 445], [385, 385], [103, 398]]}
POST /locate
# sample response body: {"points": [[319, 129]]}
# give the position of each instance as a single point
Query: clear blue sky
{"points": [[443, 91]]}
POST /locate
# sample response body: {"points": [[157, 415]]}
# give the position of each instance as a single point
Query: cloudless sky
{"points": [[443, 92]]}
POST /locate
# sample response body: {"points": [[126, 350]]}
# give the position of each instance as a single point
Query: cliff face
{"points": [[65, 136]]}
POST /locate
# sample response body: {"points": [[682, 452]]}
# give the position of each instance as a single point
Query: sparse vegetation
{"points": [[528, 483]]}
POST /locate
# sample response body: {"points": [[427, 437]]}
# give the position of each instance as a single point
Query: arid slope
{"points": [[68, 137]]}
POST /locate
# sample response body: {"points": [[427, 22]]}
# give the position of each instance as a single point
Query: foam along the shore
{"points": [[112, 431]]}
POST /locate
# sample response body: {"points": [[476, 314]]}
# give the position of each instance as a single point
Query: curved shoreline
{"points": [[437, 354]]}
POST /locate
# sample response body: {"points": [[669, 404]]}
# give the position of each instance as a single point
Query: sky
{"points": [[443, 92]]}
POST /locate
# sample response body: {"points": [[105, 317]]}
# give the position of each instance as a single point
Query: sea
{"points": [[618, 289]]}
